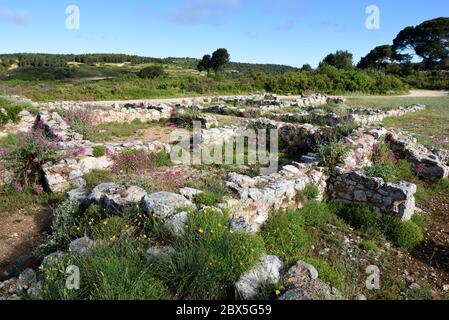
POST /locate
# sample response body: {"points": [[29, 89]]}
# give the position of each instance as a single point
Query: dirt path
{"points": [[20, 233], [412, 93], [434, 252]]}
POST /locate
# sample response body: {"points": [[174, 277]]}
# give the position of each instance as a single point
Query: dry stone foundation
{"points": [[357, 188], [429, 165]]}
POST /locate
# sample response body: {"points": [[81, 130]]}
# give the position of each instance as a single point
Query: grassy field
{"points": [[431, 126]]}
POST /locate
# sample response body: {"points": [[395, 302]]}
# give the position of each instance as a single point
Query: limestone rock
{"points": [[81, 246], [268, 271], [164, 204]]}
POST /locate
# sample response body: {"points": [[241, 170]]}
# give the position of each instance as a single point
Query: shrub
{"points": [[96, 177], [316, 214], [359, 216], [109, 272], [210, 259], [284, 236], [186, 116], [207, 199], [369, 245], [109, 228], [81, 120], [382, 170], [345, 129], [404, 170], [151, 72], [99, 151], [384, 163], [9, 141], [405, 234], [326, 273], [332, 153], [25, 160], [63, 228], [160, 159], [131, 161], [311, 192]]}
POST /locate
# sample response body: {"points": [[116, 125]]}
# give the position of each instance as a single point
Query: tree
{"points": [[219, 59], [151, 72], [429, 40], [378, 57], [205, 64], [306, 67], [340, 59]]}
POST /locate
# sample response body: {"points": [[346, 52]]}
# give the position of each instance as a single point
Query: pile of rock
{"points": [[370, 116], [301, 282], [256, 197], [314, 100], [25, 123]]}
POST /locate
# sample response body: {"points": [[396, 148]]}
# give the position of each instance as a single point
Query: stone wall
{"points": [[356, 187], [427, 164], [256, 197]]}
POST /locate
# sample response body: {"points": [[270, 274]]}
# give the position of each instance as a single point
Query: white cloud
{"points": [[17, 17]]}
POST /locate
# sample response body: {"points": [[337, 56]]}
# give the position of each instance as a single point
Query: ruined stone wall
{"points": [[356, 187], [256, 197], [426, 163]]}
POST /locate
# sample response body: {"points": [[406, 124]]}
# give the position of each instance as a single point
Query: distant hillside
{"points": [[27, 61]]}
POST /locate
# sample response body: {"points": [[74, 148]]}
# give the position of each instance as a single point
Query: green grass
{"points": [[105, 131], [209, 260], [428, 125], [114, 271], [11, 200], [9, 141], [96, 177], [285, 237]]}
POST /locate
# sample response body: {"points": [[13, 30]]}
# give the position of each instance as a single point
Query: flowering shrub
{"points": [[419, 168], [131, 162], [81, 120], [384, 162], [169, 180], [25, 160]]}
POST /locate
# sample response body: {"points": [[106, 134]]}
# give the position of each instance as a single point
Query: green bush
{"points": [[405, 234], [99, 151], [63, 228], [210, 259], [160, 159], [207, 199], [404, 170], [326, 273], [9, 141], [206, 224], [96, 177], [359, 216], [285, 236], [9, 111], [115, 271], [384, 170], [332, 153], [109, 228], [316, 214], [369, 245], [151, 72], [187, 116], [311, 192]]}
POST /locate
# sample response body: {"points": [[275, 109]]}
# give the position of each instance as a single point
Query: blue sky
{"points": [[290, 32]]}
